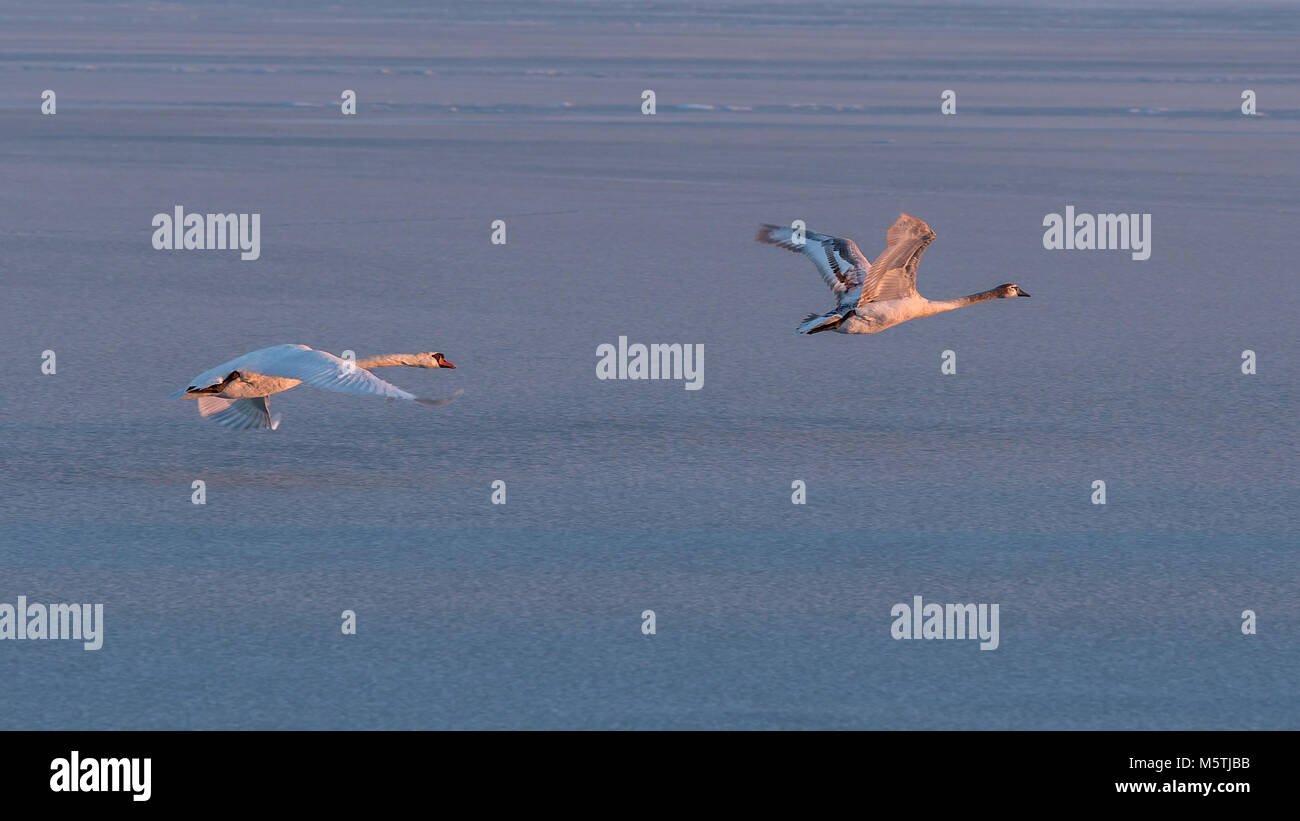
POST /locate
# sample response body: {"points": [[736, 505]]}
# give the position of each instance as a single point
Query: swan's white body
{"points": [[873, 296], [234, 394]]}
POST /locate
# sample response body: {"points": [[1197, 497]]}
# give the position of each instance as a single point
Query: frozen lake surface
{"points": [[627, 496]]}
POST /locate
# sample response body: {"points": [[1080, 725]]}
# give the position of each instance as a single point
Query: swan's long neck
{"points": [[939, 306], [389, 360]]}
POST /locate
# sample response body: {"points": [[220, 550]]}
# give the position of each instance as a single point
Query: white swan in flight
{"points": [[873, 296], [234, 394]]}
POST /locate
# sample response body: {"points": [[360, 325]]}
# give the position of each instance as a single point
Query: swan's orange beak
{"points": [[446, 364]]}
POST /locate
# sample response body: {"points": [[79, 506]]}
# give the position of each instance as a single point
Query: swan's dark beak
{"points": [[1022, 293]]}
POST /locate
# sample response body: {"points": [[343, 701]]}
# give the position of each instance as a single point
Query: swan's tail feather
{"points": [[816, 323], [433, 403]]}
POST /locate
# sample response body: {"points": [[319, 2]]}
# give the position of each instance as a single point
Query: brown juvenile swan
{"points": [[873, 296]]}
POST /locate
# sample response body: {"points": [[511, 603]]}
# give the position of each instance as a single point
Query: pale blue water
{"points": [[626, 496]]}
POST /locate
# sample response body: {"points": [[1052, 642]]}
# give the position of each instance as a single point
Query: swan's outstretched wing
{"points": [[321, 370], [838, 260], [893, 274], [251, 362], [311, 367], [239, 414]]}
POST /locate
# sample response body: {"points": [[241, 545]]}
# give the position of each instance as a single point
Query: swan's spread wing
{"points": [[893, 274], [319, 369], [838, 260], [238, 414], [252, 362]]}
